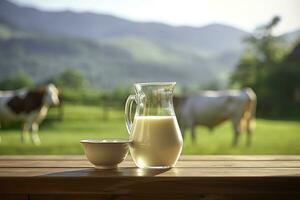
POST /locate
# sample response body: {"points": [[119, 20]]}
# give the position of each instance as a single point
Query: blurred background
{"points": [[93, 51]]}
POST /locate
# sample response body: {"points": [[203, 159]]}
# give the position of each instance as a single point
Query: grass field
{"points": [[81, 122]]}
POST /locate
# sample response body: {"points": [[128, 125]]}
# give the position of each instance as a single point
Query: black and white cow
{"points": [[28, 106]]}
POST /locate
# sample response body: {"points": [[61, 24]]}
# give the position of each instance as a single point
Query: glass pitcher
{"points": [[156, 140]]}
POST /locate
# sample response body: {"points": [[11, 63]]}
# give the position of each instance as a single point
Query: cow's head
{"points": [[178, 100], [51, 95]]}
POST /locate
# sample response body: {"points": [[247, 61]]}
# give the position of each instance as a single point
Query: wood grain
{"points": [[194, 177], [131, 172], [180, 164], [185, 157], [161, 196], [14, 196], [151, 185]]}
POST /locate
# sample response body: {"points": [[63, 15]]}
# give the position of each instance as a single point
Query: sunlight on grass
{"points": [[82, 122]]}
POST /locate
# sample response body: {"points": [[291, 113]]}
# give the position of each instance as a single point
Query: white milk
{"points": [[156, 141]]}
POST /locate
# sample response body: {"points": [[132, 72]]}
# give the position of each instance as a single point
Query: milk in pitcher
{"points": [[156, 141]]}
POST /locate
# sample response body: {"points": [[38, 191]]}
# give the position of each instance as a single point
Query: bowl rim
{"points": [[106, 141]]}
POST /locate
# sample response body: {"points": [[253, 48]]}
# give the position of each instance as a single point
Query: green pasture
{"points": [[81, 122]]}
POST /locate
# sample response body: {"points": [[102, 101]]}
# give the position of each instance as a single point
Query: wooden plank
{"points": [[162, 196], [129, 163], [133, 172], [74, 197], [151, 185], [194, 177], [14, 196], [183, 157]]}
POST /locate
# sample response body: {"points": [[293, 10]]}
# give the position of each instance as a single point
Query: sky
{"points": [[244, 14]]}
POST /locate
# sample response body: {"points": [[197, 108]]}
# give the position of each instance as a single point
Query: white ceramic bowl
{"points": [[106, 153]]}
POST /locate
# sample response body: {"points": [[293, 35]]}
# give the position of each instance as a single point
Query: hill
{"points": [[104, 65], [45, 49], [112, 51], [215, 37], [291, 37]]}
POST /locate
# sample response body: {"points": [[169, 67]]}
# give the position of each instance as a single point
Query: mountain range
{"points": [[111, 51]]}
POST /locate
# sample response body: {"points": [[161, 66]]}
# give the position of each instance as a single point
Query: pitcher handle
{"points": [[128, 113]]}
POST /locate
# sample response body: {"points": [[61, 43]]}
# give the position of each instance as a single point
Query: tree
{"points": [[258, 64], [284, 84], [71, 79], [19, 80], [262, 53]]}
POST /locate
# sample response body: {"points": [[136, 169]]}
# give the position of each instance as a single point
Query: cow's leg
{"points": [[249, 131], [34, 134], [236, 129], [193, 132], [24, 133]]}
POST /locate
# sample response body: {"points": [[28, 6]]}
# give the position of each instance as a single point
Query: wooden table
{"points": [[195, 177]]}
